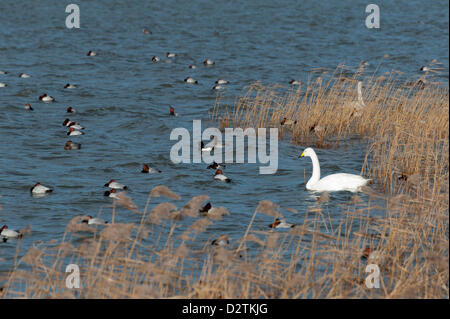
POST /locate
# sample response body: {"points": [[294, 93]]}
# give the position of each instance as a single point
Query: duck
{"points": [[170, 55], [294, 82], [192, 66], [75, 125], [424, 68], [222, 240], [220, 81], [206, 208], [218, 87], [316, 128], [215, 166], [285, 121], [190, 80], [70, 86], [70, 110], [71, 146], [3, 72], [9, 233], [112, 193], [172, 112], [28, 107], [46, 98], [155, 59], [149, 170], [208, 62], [280, 223], [39, 189], [205, 148], [73, 132], [91, 53], [219, 176], [115, 185], [93, 221], [2, 85], [145, 31], [373, 256], [331, 183], [24, 75]]}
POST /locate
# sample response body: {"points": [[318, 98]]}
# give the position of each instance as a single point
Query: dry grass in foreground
{"points": [[319, 259], [406, 129]]}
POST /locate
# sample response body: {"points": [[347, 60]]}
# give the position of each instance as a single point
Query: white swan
{"points": [[357, 105], [334, 182]]}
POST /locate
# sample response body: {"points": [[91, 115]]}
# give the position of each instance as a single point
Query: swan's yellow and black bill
{"points": [[303, 154]]}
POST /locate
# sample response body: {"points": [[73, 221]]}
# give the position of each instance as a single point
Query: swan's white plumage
{"points": [[334, 182]]}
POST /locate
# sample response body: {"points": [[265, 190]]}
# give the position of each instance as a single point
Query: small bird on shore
{"points": [[115, 185]]}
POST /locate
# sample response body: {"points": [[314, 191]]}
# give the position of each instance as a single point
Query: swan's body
{"points": [[334, 182]]}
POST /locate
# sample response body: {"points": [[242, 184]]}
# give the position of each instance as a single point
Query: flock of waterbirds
{"points": [[334, 182]]}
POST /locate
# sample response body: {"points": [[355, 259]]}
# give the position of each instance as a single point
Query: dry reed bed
{"points": [[406, 130], [319, 259]]}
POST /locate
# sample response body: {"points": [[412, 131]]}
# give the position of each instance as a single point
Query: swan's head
{"points": [[308, 152]]}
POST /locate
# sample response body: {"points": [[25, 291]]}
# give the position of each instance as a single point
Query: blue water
{"points": [[123, 97]]}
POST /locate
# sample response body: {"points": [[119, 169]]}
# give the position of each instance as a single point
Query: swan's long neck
{"points": [[360, 98], [316, 170]]}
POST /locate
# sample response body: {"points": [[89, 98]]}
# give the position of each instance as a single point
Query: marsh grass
{"points": [[405, 128], [318, 259]]}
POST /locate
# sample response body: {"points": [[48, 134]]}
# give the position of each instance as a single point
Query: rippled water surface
{"points": [[123, 97]]}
